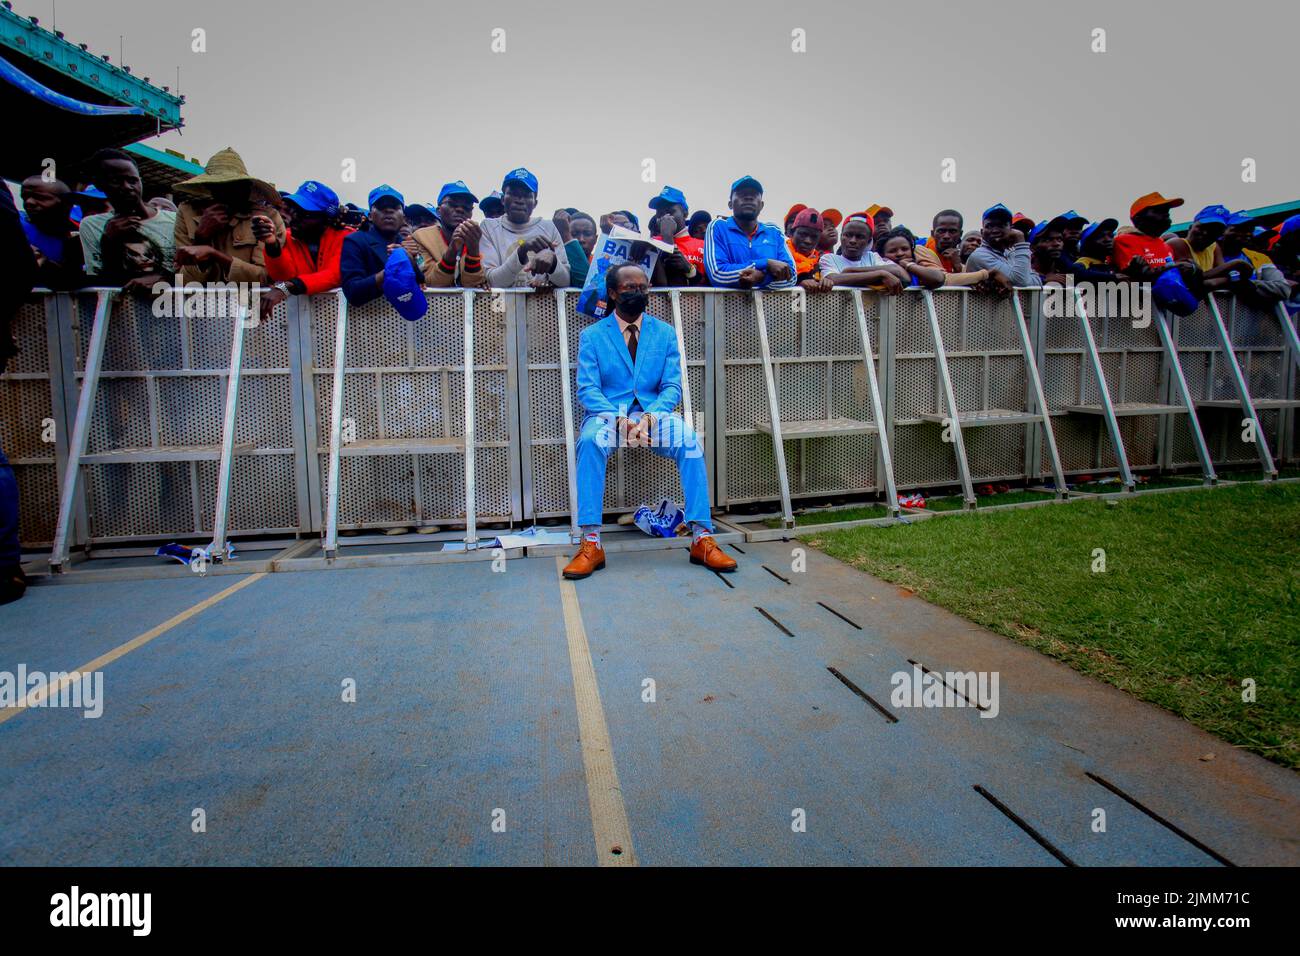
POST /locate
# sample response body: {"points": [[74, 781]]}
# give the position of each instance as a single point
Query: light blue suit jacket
{"points": [[607, 380]]}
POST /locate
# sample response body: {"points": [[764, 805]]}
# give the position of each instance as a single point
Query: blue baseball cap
{"points": [[1289, 226], [315, 197], [492, 201], [379, 192], [670, 195], [1058, 222], [1216, 213], [746, 182], [1000, 211], [1071, 216], [521, 176], [1088, 230], [402, 286], [458, 188], [1239, 218]]}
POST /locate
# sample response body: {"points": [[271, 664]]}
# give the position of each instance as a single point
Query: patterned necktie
{"points": [[631, 342]]}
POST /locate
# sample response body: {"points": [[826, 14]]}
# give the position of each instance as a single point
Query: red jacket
{"points": [[295, 262]]}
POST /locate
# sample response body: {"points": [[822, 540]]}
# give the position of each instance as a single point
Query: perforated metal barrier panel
{"points": [[1266, 367], [151, 463], [403, 387], [819, 375], [1133, 363], [32, 427], [154, 435], [635, 476]]}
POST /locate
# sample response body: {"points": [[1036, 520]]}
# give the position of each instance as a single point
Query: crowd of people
{"points": [[226, 225]]}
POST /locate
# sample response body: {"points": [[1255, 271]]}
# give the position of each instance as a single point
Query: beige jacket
{"points": [[249, 263], [427, 247]]}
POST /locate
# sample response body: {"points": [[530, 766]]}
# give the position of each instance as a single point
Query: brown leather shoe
{"points": [[589, 559], [706, 552]]}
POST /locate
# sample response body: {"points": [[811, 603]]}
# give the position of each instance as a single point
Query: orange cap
{"points": [[1150, 200], [795, 210], [875, 209], [833, 216]]}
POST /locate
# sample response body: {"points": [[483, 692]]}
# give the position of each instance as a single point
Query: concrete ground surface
{"points": [[656, 713]]}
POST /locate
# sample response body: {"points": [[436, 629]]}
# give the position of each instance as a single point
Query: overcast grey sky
{"points": [[711, 90]]}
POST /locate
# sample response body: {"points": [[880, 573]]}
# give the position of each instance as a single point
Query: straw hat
{"points": [[225, 166]]}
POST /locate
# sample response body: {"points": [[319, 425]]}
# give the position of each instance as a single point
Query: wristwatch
{"points": [[283, 287]]}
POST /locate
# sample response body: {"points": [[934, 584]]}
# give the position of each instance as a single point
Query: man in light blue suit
{"points": [[629, 382]]}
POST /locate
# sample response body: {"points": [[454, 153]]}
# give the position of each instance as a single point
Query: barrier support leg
{"points": [[1040, 400], [566, 393], [471, 508], [221, 510], [950, 399], [81, 429], [1243, 393], [877, 407], [773, 408], [336, 433], [1103, 390], [1185, 394]]}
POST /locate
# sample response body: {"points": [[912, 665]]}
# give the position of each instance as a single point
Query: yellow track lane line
{"points": [[35, 697], [608, 815]]}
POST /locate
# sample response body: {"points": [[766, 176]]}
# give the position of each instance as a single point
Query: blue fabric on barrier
{"points": [[16, 77]]}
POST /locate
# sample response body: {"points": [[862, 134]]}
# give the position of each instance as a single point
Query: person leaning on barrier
{"points": [[1247, 272], [685, 265], [214, 222], [307, 261], [944, 249], [519, 249], [361, 263], [742, 253], [899, 247], [856, 264], [135, 244], [805, 233], [50, 235], [969, 243], [1002, 248], [1046, 249], [629, 382], [1096, 245], [447, 253], [17, 278], [1140, 253]]}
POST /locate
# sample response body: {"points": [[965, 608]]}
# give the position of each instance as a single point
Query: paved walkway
{"points": [[518, 698]]}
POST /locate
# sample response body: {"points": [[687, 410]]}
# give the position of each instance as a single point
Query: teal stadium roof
{"points": [[59, 100]]}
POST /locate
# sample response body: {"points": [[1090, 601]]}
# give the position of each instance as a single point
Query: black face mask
{"points": [[632, 303]]}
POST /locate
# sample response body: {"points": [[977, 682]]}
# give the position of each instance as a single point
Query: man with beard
{"points": [[742, 253], [447, 253], [629, 382]]}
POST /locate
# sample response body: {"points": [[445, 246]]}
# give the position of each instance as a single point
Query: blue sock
{"points": [[591, 532], [698, 531]]}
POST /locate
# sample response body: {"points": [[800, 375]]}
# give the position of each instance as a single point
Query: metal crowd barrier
{"points": [[124, 426]]}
